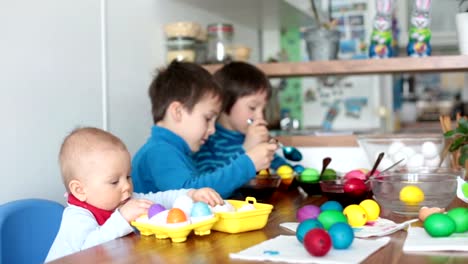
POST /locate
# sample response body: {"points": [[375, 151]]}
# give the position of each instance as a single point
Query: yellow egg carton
{"points": [[177, 234], [237, 222]]}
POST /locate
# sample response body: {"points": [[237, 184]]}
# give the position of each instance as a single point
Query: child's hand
{"points": [[256, 133], [134, 208], [262, 155], [206, 195]]}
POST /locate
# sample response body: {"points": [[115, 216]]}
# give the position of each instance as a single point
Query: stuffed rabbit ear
{"points": [[423, 5], [384, 6]]}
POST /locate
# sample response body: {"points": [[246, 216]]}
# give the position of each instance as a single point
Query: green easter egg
{"points": [[330, 217], [460, 216], [310, 175], [465, 189], [439, 225], [329, 174]]}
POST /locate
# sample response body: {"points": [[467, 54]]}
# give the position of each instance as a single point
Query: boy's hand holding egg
{"points": [[262, 155], [256, 133], [206, 195], [134, 208]]}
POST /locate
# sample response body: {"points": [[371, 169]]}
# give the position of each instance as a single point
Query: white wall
{"points": [[49, 83], [50, 80]]}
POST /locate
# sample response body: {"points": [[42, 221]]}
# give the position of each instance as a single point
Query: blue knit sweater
{"points": [[165, 162], [222, 148]]}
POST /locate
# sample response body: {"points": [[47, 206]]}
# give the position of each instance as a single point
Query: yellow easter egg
{"points": [[285, 171], [372, 209], [356, 215], [411, 195]]}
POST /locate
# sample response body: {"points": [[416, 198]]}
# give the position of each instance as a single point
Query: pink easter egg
{"points": [[307, 212], [356, 174]]}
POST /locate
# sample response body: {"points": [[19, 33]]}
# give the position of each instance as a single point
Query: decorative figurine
{"points": [[381, 38], [419, 33]]}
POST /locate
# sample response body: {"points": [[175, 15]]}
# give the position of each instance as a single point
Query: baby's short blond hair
{"points": [[79, 144]]}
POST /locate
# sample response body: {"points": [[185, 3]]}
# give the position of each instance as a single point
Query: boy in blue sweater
{"points": [[185, 104], [246, 91]]}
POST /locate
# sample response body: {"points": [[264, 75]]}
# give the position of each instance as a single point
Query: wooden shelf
{"points": [[361, 67]]}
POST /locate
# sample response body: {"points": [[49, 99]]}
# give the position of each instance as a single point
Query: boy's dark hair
{"points": [[185, 82], [238, 79]]}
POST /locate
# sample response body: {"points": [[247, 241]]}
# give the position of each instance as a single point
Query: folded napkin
{"points": [[379, 227], [289, 249], [419, 240]]}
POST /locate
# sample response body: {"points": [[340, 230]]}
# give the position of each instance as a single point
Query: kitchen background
{"points": [[88, 63]]}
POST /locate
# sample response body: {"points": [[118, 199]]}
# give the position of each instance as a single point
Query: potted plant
{"points": [[461, 20], [457, 140]]}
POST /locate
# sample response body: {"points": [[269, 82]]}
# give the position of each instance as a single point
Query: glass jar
{"points": [[201, 47], [220, 37], [180, 49]]}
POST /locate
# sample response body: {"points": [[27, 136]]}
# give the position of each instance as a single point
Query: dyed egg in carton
{"points": [[175, 223], [240, 216], [415, 150]]}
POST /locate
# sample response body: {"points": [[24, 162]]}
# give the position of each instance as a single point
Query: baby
{"points": [[95, 167]]}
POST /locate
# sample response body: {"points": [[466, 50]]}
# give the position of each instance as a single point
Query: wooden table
{"points": [[215, 248]]}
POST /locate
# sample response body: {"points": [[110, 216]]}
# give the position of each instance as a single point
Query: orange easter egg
{"points": [[176, 215]]}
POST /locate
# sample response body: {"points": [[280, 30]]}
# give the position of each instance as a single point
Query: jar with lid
{"points": [[180, 49], [220, 37]]}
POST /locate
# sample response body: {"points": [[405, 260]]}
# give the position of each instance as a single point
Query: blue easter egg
{"points": [[200, 209], [305, 226], [298, 168], [342, 235], [331, 205]]}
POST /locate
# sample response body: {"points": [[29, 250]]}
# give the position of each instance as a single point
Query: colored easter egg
{"points": [[176, 215], [342, 235], [285, 171], [358, 174], [331, 205], [200, 209], [329, 174], [460, 216], [155, 209], [298, 168], [330, 217], [439, 225], [411, 195], [310, 175], [307, 212], [356, 215], [317, 242], [305, 227], [355, 187], [465, 189], [372, 209], [263, 173]]}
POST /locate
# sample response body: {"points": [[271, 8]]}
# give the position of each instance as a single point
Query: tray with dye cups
{"points": [[177, 233], [245, 216]]}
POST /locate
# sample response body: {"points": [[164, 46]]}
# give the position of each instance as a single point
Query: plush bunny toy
{"points": [[381, 38], [419, 33]]}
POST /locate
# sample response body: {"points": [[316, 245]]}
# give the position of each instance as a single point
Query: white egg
{"points": [[246, 207], [160, 218], [142, 219], [184, 203], [408, 151], [432, 162], [399, 156], [417, 160], [226, 207], [395, 147], [429, 150], [385, 163]]}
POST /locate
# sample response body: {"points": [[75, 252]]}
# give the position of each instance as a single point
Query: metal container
{"points": [[321, 43]]}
